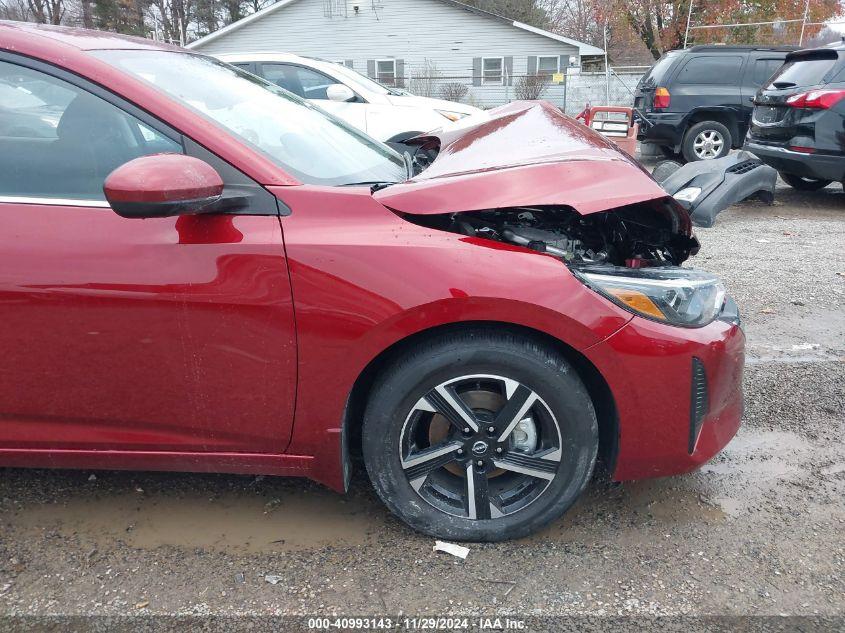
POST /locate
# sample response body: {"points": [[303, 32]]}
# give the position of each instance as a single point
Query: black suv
{"points": [[798, 125], [697, 102]]}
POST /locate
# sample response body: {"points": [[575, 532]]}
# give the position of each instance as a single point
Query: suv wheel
{"points": [[479, 436], [803, 184], [705, 141]]}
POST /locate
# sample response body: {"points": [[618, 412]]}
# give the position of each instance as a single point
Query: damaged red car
{"points": [[201, 272]]}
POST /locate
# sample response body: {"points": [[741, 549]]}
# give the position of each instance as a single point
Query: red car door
{"points": [[170, 334]]}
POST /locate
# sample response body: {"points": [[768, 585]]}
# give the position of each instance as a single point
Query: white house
{"points": [[421, 45]]}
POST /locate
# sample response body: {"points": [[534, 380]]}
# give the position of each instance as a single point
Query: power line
{"points": [[721, 26]]}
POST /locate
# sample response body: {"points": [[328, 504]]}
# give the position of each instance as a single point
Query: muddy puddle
{"points": [[734, 483], [233, 521], [289, 515], [754, 464]]}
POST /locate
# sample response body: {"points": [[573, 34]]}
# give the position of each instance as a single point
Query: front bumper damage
{"points": [[677, 391], [719, 184]]}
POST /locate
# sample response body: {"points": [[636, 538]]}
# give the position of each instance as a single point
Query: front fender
{"points": [[363, 279]]}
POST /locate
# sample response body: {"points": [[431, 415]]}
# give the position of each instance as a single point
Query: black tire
{"points": [[713, 130], [803, 184], [487, 359], [664, 169]]}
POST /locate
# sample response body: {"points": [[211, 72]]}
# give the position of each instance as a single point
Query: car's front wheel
{"points": [[480, 436], [803, 184]]}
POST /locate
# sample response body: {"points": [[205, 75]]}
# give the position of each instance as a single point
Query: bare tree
{"points": [[87, 13], [174, 17], [530, 87], [453, 91], [424, 80], [15, 10], [47, 11]]}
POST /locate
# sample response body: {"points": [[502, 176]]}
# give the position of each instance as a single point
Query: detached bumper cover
{"points": [[649, 368], [722, 182]]}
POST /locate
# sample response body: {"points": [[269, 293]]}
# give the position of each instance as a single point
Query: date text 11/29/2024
{"points": [[431, 623]]}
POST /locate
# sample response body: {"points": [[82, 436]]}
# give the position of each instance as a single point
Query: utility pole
{"points": [[804, 23], [689, 17]]}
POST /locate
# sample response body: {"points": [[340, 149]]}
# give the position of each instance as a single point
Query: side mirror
{"points": [[163, 185], [340, 92]]}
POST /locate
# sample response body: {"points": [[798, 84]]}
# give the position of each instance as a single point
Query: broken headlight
{"points": [[679, 296]]}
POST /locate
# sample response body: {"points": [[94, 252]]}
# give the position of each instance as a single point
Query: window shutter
{"points": [[476, 71], [400, 73], [349, 63], [509, 69], [371, 69], [532, 64]]}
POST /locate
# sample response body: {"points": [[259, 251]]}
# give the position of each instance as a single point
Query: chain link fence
{"points": [[570, 90]]}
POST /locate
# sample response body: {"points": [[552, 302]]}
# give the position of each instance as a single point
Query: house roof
{"points": [[583, 48]]}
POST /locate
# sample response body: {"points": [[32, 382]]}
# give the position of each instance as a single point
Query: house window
{"points": [[386, 71], [492, 70], [548, 65]]}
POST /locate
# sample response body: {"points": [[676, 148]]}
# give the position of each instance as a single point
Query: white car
{"points": [[385, 113]]}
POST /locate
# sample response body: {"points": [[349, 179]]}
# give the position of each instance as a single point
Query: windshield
{"points": [[363, 81], [802, 71], [655, 76], [18, 98], [305, 141]]}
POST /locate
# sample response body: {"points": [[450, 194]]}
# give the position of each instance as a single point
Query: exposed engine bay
{"points": [[637, 236]]}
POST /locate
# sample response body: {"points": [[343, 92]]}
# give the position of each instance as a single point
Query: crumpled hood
{"points": [[523, 153]]}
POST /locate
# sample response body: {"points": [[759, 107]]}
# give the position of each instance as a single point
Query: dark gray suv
{"points": [[798, 126], [697, 102]]}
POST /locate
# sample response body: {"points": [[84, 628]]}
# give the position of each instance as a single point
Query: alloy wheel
{"points": [[708, 144], [480, 446]]}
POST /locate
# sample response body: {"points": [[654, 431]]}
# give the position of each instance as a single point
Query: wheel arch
{"points": [[725, 116], [403, 136], [597, 387]]}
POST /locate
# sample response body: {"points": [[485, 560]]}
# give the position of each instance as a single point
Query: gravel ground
{"points": [[758, 531]]}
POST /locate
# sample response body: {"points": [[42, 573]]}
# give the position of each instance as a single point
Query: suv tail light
{"points": [[818, 99], [661, 98]]}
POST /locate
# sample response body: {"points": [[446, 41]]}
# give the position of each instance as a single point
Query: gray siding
{"points": [[422, 33]]}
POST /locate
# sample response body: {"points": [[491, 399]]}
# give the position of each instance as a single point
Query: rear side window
{"points": [[763, 69], [802, 72], [716, 70], [659, 72]]}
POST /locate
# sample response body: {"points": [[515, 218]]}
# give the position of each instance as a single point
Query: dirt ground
{"points": [[760, 530]]}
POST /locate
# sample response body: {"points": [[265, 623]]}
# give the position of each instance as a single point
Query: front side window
{"points": [[491, 70], [386, 72], [548, 65], [59, 141], [303, 82], [308, 143]]}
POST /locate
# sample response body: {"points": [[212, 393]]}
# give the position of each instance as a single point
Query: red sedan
{"points": [[199, 271]]}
